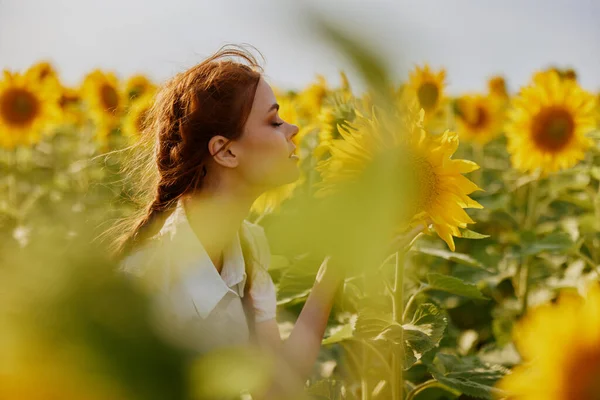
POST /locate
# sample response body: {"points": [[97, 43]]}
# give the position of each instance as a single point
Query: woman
{"points": [[218, 145]]}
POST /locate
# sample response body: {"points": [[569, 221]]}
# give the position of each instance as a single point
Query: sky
{"points": [[472, 39]]}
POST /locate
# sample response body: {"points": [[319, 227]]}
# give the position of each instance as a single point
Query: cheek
{"points": [[266, 157], [267, 143]]}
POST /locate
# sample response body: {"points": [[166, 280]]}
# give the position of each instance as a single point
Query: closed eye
{"points": [[276, 124]]}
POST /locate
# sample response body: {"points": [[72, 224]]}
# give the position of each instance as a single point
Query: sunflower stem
{"points": [[530, 219], [397, 314], [12, 179], [478, 157], [364, 383], [426, 385]]}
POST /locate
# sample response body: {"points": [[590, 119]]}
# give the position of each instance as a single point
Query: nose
{"points": [[293, 130]]}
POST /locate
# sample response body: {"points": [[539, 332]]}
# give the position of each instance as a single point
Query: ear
{"points": [[222, 151]]}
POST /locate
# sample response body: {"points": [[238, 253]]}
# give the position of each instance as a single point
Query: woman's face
{"points": [[265, 148]]}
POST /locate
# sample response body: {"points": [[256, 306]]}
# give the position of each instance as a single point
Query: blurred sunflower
{"points": [[573, 371], [478, 118], [345, 83], [427, 88], [548, 122], [43, 72], [27, 107], [70, 105], [271, 200], [311, 99], [138, 86], [497, 88], [136, 119], [341, 111], [570, 74], [440, 191], [103, 96]]}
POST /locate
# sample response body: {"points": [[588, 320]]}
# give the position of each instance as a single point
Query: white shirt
{"points": [[195, 306]]}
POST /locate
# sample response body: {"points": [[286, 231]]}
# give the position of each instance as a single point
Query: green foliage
{"points": [[454, 286], [467, 375]]}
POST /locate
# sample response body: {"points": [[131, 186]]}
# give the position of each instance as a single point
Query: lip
{"points": [[293, 154]]}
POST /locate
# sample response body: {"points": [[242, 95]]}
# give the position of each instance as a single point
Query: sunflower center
{"points": [[582, 377], [553, 128], [19, 107], [66, 100], [44, 72], [109, 98], [428, 94], [478, 119]]}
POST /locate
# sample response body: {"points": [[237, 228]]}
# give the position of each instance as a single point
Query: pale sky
{"points": [[471, 39]]}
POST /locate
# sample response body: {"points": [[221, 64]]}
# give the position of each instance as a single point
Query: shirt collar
{"points": [[195, 269]]}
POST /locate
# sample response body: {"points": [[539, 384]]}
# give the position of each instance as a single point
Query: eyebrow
{"points": [[275, 106]]}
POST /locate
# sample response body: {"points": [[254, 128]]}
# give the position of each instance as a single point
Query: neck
{"points": [[216, 216]]}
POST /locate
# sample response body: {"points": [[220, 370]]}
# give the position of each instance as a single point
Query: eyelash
{"points": [[276, 124]]}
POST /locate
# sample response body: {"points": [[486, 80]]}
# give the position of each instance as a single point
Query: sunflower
{"points": [[341, 111], [137, 86], [548, 122], [26, 108], [497, 87], [573, 371], [69, 102], [478, 118], [43, 72], [103, 96], [440, 191], [136, 119], [311, 99], [427, 88]]}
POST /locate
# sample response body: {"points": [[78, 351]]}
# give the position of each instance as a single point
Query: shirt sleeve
{"points": [[264, 296]]}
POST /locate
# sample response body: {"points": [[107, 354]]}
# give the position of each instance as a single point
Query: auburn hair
{"points": [[211, 98]]}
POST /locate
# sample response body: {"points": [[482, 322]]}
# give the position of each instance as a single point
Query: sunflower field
{"points": [[496, 297]]}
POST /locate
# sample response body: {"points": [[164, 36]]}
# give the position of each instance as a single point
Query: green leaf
{"points": [[459, 258], [343, 333], [454, 285], [562, 182], [581, 201], [502, 328], [423, 333], [368, 63], [297, 281], [371, 322], [468, 234], [419, 336], [467, 375], [556, 242]]}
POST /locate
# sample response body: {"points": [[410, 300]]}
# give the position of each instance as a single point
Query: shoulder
{"points": [[255, 235], [144, 261]]}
